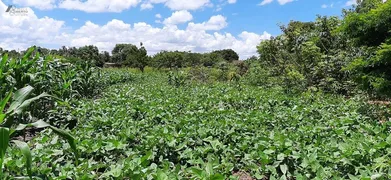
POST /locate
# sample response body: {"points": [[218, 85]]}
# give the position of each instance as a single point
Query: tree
{"points": [[192, 59], [89, 54], [227, 54], [368, 27], [139, 58], [210, 59], [104, 57], [130, 55]]}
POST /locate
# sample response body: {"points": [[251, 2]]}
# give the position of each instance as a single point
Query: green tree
{"points": [[368, 27], [227, 54], [130, 55]]}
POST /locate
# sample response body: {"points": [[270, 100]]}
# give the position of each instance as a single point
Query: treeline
{"points": [[331, 54], [129, 55]]}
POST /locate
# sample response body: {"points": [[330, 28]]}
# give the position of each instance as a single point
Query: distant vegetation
{"points": [[314, 104]]}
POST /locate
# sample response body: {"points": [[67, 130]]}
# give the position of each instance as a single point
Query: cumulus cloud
{"points": [[20, 32], [214, 23], [23, 31], [94, 6], [146, 6], [178, 17]]}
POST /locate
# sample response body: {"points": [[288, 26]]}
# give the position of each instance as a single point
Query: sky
{"points": [[185, 25]]}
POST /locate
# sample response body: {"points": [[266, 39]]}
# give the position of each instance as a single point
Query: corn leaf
{"points": [[29, 52], [26, 103], [2, 117], [20, 96], [4, 140], [27, 154], [4, 102], [3, 61]]}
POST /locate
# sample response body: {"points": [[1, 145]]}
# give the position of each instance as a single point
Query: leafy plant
{"points": [[18, 105]]}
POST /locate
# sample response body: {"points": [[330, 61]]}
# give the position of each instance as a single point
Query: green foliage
{"points": [[131, 56], [178, 59], [4, 137], [146, 128], [17, 108], [26, 109], [369, 24], [27, 155], [369, 27], [168, 59], [177, 79], [308, 55], [228, 55]]}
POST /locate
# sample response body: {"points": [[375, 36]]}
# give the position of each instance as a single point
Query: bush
{"points": [[177, 79]]}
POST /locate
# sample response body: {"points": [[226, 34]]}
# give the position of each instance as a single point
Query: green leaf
{"points": [[284, 168], [376, 176], [352, 177], [27, 154], [4, 140], [68, 137], [2, 117], [20, 96], [4, 102], [161, 175], [26, 103], [197, 172], [217, 177], [29, 52], [209, 168], [3, 61]]}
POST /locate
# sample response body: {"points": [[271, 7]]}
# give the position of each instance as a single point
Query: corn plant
{"points": [[16, 73], [9, 119]]}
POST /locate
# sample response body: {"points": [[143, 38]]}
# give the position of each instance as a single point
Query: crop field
{"points": [[313, 101], [149, 129]]}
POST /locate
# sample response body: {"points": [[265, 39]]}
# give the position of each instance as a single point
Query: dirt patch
{"points": [[387, 103], [243, 175], [26, 135]]}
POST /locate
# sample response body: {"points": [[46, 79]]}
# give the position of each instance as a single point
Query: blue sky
{"points": [[195, 25]]}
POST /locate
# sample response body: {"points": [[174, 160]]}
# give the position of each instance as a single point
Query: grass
{"points": [[148, 129]]}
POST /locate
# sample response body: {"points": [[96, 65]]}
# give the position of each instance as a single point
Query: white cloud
{"points": [[23, 31], [20, 32], [351, 2], [327, 6], [40, 4], [94, 6], [75, 19], [159, 16], [281, 2], [231, 1], [178, 17], [264, 2], [181, 5], [146, 6], [214, 23]]}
